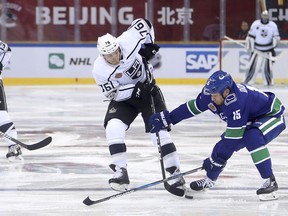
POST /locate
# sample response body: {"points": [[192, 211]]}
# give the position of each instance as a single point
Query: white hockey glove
{"points": [[250, 44], [275, 42]]}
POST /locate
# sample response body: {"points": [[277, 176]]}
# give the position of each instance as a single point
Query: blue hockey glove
{"points": [[159, 121]]}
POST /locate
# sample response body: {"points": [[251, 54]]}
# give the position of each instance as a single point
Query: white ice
{"points": [[56, 179]]}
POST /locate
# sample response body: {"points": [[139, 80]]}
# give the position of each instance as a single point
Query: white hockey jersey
{"points": [[263, 35], [5, 55], [117, 81]]}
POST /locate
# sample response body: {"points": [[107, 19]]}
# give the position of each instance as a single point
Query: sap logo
{"points": [[244, 59], [200, 61]]}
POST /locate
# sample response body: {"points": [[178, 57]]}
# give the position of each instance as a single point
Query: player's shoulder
{"points": [[142, 20], [256, 23], [100, 66], [272, 24], [237, 96]]}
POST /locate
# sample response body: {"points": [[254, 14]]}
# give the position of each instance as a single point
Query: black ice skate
{"points": [[14, 153], [268, 190], [120, 180], [202, 184], [177, 182]]}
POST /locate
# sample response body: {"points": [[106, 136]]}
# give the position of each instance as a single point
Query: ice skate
{"points": [[202, 184], [268, 191], [120, 180], [177, 182], [14, 153]]}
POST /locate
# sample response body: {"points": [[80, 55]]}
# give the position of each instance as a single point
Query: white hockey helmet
{"points": [[107, 44], [265, 17]]}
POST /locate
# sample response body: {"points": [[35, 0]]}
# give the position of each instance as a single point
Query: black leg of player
{"points": [[173, 190]]}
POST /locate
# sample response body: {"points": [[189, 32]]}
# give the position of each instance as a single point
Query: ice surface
{"points": [[56, 179]]}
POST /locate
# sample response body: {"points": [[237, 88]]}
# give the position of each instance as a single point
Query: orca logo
{"points": [[56, 60], [201, 61]]}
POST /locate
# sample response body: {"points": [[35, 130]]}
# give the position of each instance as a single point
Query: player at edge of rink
{"points": [[6, 125]]}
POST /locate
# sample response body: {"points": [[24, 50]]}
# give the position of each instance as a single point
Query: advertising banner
{"points": [[174, 63], [25, 20]]}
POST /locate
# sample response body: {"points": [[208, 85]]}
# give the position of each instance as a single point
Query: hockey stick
{"points": [[272, 58], [31, 147], [89, 202], [173, 190]]}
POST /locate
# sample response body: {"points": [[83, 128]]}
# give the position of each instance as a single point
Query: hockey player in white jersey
{"points": [[120, 72], [6, 125], [263, 36]]}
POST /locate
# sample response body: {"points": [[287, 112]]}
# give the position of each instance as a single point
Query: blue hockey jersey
{"points": [[241, 108]]}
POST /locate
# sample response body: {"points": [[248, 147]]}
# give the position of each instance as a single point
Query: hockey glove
{"points": [[143, 90], [159, 121], [149, 50]]}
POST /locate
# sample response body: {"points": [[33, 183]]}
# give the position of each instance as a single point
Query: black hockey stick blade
{"points": [[31, 147], [87, 201], [174, 190], [37, 145]]}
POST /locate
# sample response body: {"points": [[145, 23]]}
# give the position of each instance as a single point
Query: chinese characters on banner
{"points": [[23, 19]]}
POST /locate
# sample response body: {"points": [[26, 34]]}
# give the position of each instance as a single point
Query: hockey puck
{"points": [[188, 197]]}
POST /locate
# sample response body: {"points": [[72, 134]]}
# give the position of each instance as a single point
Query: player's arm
{"points": [[4, 47], [276, 36], [114, 91], [187, 110], [250, 39], [144, 31]]}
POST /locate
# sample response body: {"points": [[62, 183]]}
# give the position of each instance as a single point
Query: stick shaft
{"points": [[272, 58], [34, 146], [89, 202]]}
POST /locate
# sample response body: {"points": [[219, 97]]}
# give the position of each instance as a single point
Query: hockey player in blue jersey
{"points": [[253, 118]]}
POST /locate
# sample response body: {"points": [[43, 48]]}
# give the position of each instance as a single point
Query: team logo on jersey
{"points": [[135, 70], [212, 107], [230, 99], [264, 32], [113, 110], [118, 75]]}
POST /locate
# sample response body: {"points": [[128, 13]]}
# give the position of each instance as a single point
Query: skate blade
{"points": [[266, 197], [118, 187]]}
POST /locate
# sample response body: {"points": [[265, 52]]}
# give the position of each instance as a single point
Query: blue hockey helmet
{"points": [[218, 82]]}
